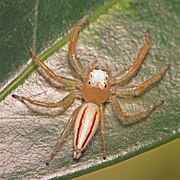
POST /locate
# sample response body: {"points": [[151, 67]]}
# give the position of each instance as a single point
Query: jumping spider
{"points": [[94, 86]]}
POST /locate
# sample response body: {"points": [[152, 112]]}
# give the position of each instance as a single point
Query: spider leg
{"points": [[68, 88], [128, 120], [64, 103], [102, 131], [62, 136], [140, 89], [123, 78], [75, 63], [63, 80]]}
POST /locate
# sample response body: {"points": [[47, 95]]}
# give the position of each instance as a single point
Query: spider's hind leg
{"points": [[128, 120], [102, 125], [62, 136]]}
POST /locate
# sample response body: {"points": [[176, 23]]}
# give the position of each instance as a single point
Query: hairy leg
{"points": [[126, 119], [62, 136], [63, 80], [123, 78], [64, 103], [140, 89], [68, 88], [102, 131], [75, 63]]}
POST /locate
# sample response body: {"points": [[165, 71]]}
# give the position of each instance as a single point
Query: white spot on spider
{"points": [[98, 78]]}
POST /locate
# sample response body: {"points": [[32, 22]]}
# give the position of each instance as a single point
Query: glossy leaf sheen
{"points": [[28, 133]]}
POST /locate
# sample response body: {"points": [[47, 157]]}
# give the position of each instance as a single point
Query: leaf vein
{"points": [[35, 24]]}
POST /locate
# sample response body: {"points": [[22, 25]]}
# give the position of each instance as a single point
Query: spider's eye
{"points": [[89, 82], [105, 86]]}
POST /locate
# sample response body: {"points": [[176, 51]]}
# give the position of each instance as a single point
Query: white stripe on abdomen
{"points": [[85, 127]]}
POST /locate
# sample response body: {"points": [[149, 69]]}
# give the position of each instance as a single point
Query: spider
{"points": [[95, 87]]}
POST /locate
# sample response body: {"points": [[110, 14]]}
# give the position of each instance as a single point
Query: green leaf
{"points": [[115, 34], [38, 24]]}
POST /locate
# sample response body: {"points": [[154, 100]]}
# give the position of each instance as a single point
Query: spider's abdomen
{"points": [[85, 127]]}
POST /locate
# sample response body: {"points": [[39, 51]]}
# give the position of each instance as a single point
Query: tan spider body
{"points": [[95, 86]]}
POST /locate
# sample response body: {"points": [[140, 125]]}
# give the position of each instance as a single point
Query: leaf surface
{"points": [[115, 35]]}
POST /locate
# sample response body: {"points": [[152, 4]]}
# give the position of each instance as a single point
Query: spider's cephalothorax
{"points": [[96, 82], [95, 87]]}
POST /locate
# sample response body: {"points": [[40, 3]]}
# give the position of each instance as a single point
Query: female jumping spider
{"points": [[95, 86]]}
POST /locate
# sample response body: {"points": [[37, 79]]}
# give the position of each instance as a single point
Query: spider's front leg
{"points": [[63, 80], [127, 120], [140, 89], [123, 78], [64, 103], [75, 63]]}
